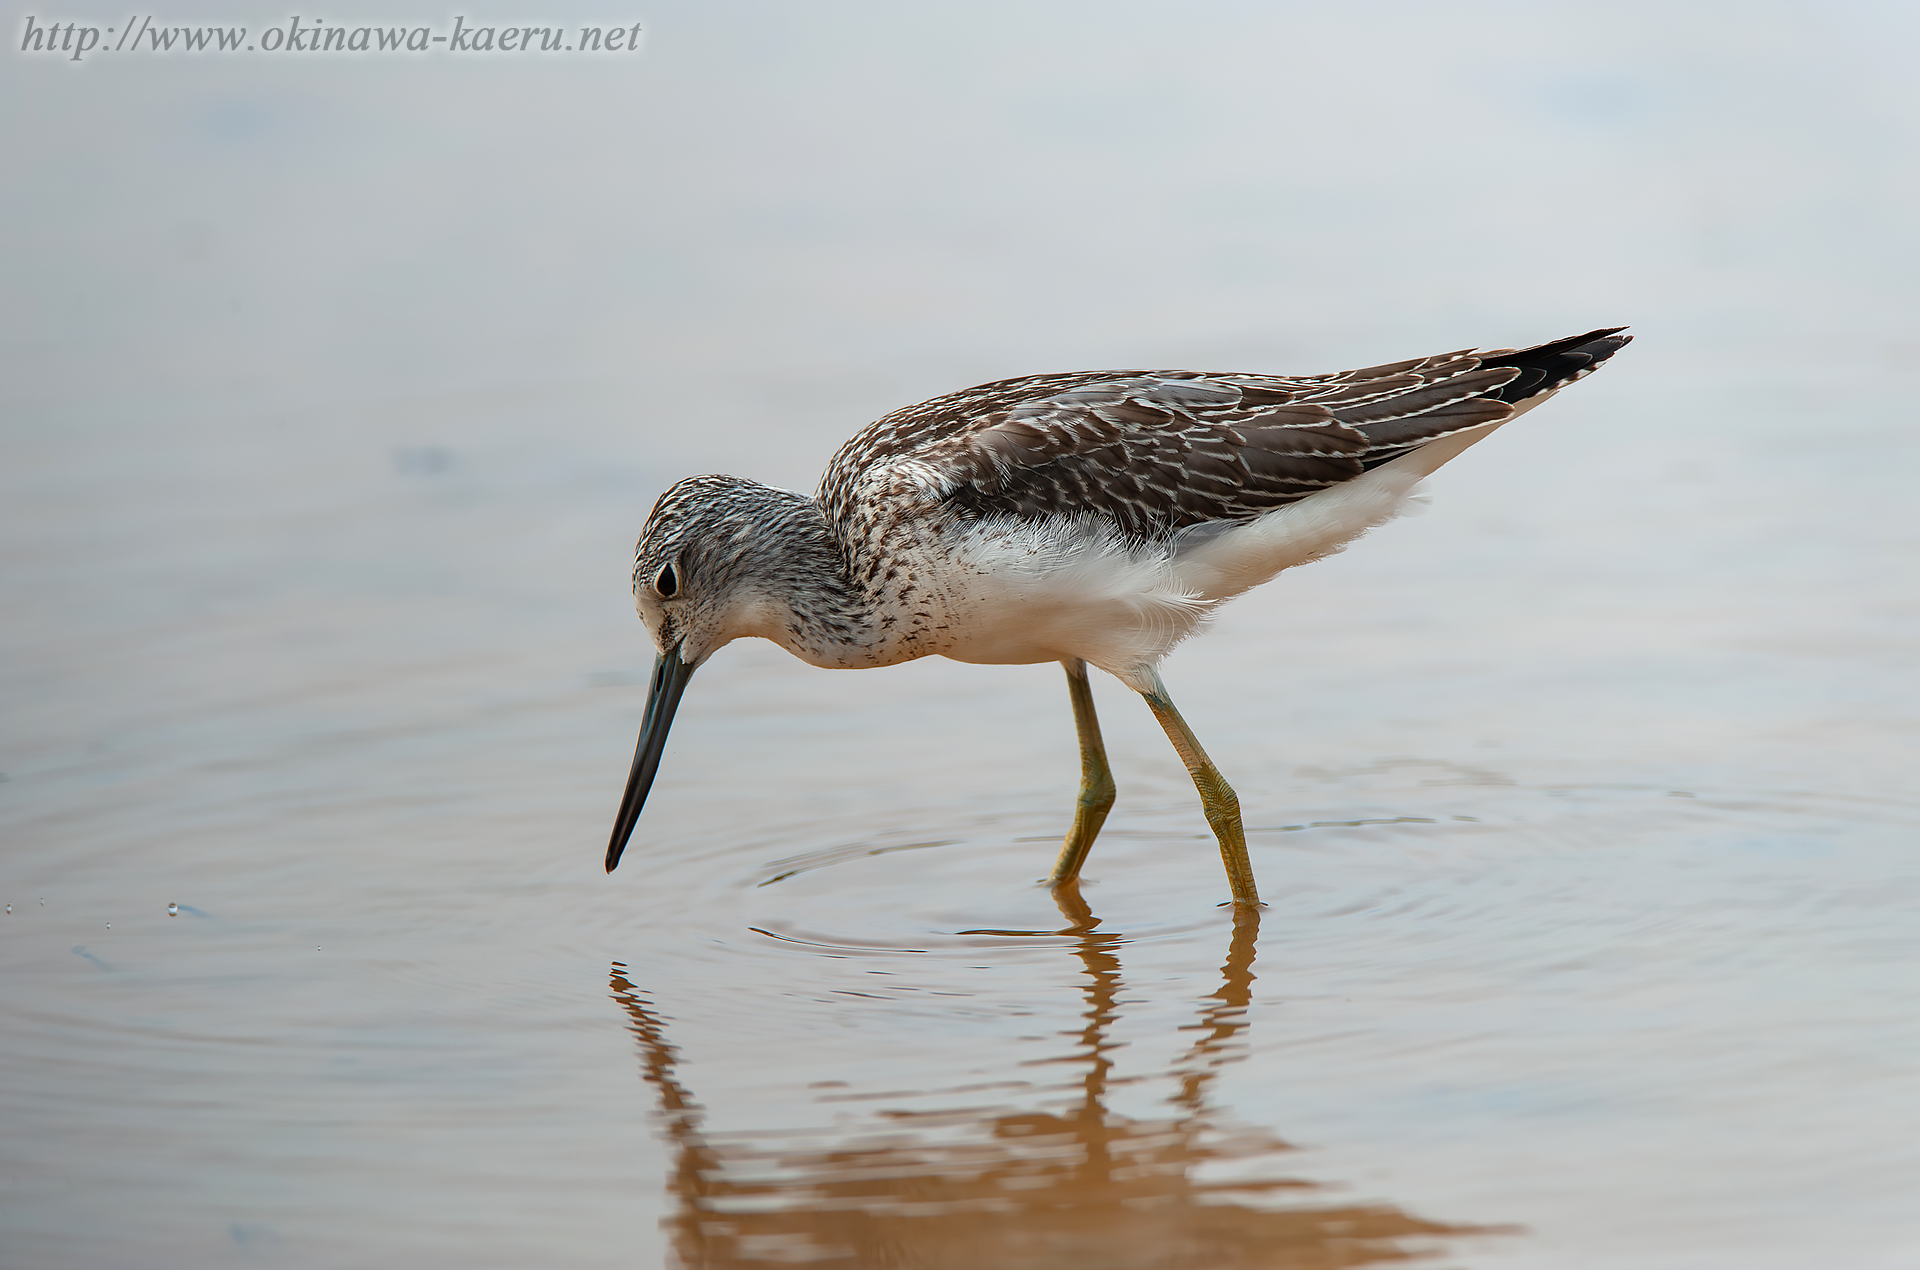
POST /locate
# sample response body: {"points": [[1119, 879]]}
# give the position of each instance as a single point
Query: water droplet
{"points": [[43, 903], [9, 908], [109, 925], [316, 948], [173, 910]]}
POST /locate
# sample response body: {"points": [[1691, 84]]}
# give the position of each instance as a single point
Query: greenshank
{"points": [[1094, 519]]}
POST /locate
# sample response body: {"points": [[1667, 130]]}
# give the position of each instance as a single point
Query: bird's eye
{"points": [[665, 584]]}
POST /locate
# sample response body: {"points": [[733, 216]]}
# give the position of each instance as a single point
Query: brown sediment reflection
{"points": [[1082, 1187]]}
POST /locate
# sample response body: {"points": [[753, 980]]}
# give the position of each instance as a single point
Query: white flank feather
{"points": [[1224, 563], [1065, 587], [1219, 562]]}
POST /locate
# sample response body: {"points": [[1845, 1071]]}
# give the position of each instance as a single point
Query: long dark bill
{"points": [[670, 676]]}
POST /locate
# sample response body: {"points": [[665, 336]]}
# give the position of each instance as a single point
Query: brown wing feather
{"points": [[1157, 451]]}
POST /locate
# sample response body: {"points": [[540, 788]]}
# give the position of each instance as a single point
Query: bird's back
{"points": [[1161, 451]]}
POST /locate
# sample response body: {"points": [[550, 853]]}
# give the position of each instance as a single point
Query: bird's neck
{"points": [[841, 596], [793, 585]]}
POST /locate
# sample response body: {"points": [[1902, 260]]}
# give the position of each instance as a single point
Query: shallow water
{"points": [[1582, 804]]}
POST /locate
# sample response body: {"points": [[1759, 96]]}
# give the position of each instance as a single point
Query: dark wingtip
{"points": [[1558, 363]]}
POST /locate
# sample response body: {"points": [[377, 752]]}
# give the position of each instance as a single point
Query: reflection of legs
{"points": [[1216, 796], [1074, 907], [1096, 782]]}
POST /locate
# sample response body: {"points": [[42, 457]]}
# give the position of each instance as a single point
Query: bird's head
{"points": [[712, 566], [700, 569]]}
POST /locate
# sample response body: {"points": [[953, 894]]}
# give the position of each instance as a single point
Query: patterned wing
{"points": [[1160, 450]]}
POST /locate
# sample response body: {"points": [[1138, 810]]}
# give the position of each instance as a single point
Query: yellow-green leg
{"points": [[1096, 780], [1216, 796]]}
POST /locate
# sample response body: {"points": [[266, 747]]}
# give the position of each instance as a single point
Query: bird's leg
{"points": [[1216, 796], [1096, 781]]}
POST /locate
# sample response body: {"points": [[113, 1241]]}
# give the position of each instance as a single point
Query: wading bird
{"points": [[1094, 518]]}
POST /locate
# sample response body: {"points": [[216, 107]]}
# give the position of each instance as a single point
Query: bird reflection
{"points": [[1084, 1187]]}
